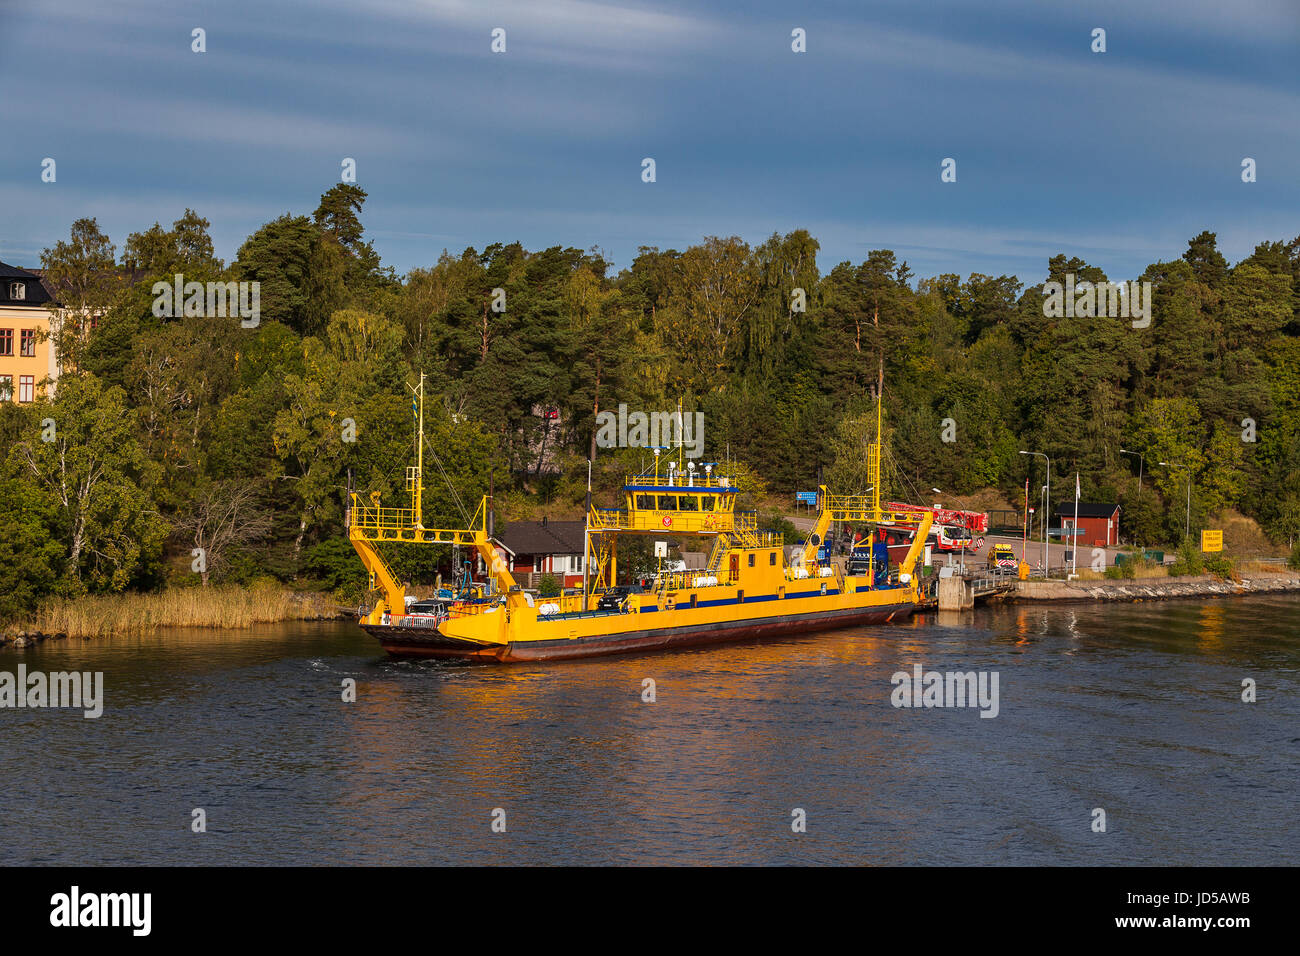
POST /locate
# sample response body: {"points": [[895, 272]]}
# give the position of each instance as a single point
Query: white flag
{"points": [[1077, 493]]}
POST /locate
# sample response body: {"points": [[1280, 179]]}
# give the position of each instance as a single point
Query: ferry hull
{"points": [[409, 642]]}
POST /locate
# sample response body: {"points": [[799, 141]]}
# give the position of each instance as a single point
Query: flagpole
{"points": [[586, 539], [1074, 550]]}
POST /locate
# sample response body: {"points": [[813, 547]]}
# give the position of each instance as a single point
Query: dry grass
{"points": [[1148, 569], [1242, 535], [1250, 566], [231, 607], [1088, 574]]}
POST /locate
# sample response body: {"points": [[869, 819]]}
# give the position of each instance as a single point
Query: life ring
{"points": [[668, 521]]}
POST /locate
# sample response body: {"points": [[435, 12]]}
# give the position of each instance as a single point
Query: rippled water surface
{"points": [[1135, 709]]}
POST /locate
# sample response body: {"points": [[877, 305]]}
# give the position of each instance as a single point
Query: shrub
{"points": [[548, 586], [1221, 566], [1189, 561], [1293, 562], [775, 521]]}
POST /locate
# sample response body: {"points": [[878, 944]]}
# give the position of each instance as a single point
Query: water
{"points": [[1135, 709]]}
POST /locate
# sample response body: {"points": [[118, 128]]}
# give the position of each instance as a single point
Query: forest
{"points": [[195, 432]]}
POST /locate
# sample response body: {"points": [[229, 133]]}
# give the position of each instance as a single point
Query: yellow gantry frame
{"points": [[372, 524]]}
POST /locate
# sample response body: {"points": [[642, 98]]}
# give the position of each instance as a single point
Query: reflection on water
{"points": [[1132, 708]]}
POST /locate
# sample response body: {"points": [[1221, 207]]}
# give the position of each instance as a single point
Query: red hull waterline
{"points": [[409, 642]]}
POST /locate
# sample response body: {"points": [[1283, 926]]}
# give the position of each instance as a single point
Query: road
{"points": [[1033, 552]]}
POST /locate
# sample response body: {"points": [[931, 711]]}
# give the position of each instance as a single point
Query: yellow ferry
{"points": [[748, 589]]}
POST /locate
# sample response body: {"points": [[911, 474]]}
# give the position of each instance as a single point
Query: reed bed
{"points": [[226, 607]]}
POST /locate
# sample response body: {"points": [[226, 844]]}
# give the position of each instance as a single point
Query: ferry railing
{"points": [[668, 581], [683, 480], [472, 606], [863, 508], [377, 519], [744, 523], [374, 522]]}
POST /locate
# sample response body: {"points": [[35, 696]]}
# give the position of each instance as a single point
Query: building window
{"points": [[751, 560], [6, 388], [26, 387], [18, 291], [28, 346], [6, 341]]}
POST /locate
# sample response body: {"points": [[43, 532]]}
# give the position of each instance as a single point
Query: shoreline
{"points": [[1152, 589], [1026, 592], [226, 608]]}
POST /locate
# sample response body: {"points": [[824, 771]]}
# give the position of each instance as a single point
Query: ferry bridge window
{"points": [[751, 560], [690, 503], [667, 502], [645, 502], [706, 502], [771, 558]]}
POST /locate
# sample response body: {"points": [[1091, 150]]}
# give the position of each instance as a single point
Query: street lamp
{"points": [[1142, 460], [1187, 521], [1047, 511]]}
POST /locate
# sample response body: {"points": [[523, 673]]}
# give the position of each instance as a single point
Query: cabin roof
{"points": [[1087, 509], [543, 537], [677, 489]]}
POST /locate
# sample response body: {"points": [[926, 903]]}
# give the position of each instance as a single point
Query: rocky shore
{"points": [[1153, 589]]}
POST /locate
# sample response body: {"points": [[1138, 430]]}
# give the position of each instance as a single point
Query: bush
{"points": [[1221, 566], [775, 521], [1189, 561], [1117, 572], [1293, 562], [548, 586]]}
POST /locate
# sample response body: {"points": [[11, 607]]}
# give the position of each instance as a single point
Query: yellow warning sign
{"points": [[1211, 541]]}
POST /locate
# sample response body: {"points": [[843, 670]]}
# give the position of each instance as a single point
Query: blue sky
{"points": [[1118, 158]]}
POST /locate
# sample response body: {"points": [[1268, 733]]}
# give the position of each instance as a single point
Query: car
{"points": [[427, 613], [614, 598], [1002, 557]]}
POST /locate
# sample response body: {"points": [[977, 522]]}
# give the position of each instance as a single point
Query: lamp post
{"points": [[1187, 520], [1047, 511], [1142, 460]]}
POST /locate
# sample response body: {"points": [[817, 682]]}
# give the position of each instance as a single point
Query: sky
{"points": [[1117, 157]]}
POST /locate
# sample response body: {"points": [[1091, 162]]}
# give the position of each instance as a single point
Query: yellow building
{"points": [[28, 362]]}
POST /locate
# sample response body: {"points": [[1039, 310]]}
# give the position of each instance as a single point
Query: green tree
{"points": [[95, 470]]}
